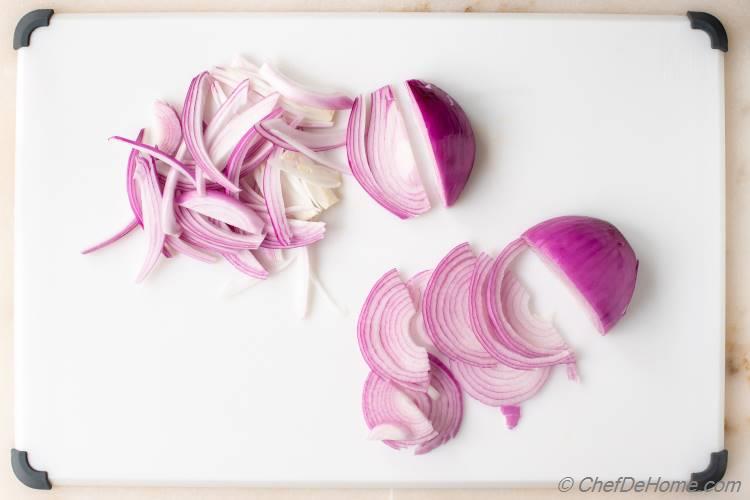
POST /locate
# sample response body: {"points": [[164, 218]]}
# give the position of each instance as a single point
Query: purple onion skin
{"points": [[596, 259], [451, 136]]}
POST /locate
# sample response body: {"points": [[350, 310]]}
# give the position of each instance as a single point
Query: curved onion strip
{"points": [[116, 237], [302, 95], [133, 196], [304, 233], [520, 341], [516, 302], [197, 230], [298, 146], [275, 200], [180, 246], [317, 141], [168, 220], [157, 154], [246, 262], [224, 208], [499, 385], [249, 143], [416, 285], [233, 104], [484, 330], [167, 129], [383, 335], [148, 185], [192, 128], [445, 307], [447, 410], [226, 140], [396, 415]]}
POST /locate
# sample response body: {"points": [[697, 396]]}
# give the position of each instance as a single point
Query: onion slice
{"points": [[383, 335], [396, 415], [302, 95], [446, 411], [500, 385], [445, 308], [380, 155], [224, 208], [112, 239], [192, 126], [148, 185], [167, 129]]}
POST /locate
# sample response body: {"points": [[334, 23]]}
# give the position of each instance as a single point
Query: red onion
{"points": [[595, 258], [383, 335], [445, 308], [148, 185], [445, 124], [167, 129], [446, 411], [302, 95]]}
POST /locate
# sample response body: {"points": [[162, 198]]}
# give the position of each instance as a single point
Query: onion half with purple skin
{"points": [[594, 258], [450, 135]]}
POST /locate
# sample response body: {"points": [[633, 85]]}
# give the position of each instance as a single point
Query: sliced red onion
{"points": [[157, 154], [192, 128], [133, 197], [500, 385], [236, 102], [199, 231], [280, 136], [246, 262], [383, 335], [445, 308], [520, 341], [221, 147], [446, 411], [167, 129], [316, 141], [148, 185], [594, 257], [251, 143], [396, 415], [224, 208], [302, 95], [448, 130], [380, 156], [416, 285], [512, 415], [304, 233], [305, 169], [168, 220], [506, 344], [112, 239], [178, 245], [275, 200]]}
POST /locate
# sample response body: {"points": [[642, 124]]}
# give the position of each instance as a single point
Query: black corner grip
{"points": [[32, 478], [708, 477], [710, 24], [27, 24]]}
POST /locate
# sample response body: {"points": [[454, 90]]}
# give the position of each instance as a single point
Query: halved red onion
{"points": [[594, 257], [500, 385], [224, 208], [380, 155], [383, 335], [303, 95], [448, 130], [167, 129], [148, 185], [445, 308], [396, 415]]}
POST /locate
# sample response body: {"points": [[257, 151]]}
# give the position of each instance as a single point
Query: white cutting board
{"points": [[171, 382]]}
